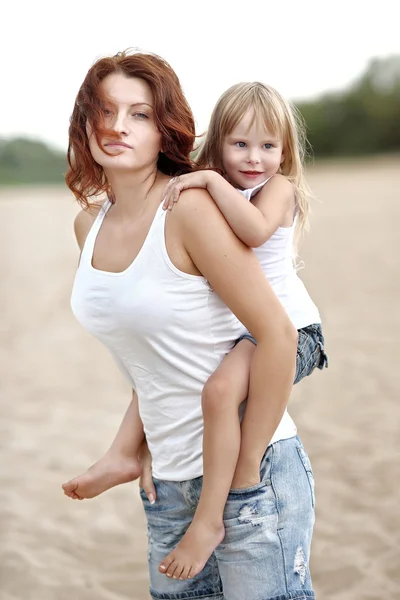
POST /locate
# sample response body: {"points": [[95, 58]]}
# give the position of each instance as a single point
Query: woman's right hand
{"points": [[146, 477], [198, 179]]}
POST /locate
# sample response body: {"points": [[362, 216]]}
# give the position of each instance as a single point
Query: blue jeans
{"points": [[310, 350], [266, 549]]}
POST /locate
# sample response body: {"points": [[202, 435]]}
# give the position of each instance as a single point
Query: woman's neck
{"points": [[131, 191]]}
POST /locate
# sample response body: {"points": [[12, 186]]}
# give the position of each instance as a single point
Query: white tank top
{"points": [[168, 332], [277, 260]]}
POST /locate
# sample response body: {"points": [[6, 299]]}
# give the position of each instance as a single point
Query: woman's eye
{"points": [[141, 115]]}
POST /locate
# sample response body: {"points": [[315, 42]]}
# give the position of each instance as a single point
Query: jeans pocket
{"points": [[250, 490], [147, 505], [305, 461], [143, 495]]}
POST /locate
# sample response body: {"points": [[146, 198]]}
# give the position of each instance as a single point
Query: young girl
{"points": [[256, 139]]}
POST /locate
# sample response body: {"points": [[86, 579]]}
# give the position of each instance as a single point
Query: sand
{"points": [[62, 399]]}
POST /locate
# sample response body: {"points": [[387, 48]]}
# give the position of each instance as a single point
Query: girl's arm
{"points": [[254, 225], [236, 276]]}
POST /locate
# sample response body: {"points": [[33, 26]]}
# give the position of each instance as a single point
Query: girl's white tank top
{"points": [[277, 260]]}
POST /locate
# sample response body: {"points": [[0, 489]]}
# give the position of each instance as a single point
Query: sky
{"points": [[302, 47]]}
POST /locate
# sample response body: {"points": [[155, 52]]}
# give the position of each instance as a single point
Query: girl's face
{"points": [[250, 154], [130, 114]]}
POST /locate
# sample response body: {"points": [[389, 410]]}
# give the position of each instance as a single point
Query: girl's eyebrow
{"points": [[244, 138], [237, 137]]}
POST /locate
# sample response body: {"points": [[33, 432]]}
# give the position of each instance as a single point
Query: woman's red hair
{"points": [[172, 116]]}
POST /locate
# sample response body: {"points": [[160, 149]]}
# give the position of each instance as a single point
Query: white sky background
{"points": [[301, 47]]}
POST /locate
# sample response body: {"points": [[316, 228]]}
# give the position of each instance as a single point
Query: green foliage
{"points": [[365, 119], [30, 161]]}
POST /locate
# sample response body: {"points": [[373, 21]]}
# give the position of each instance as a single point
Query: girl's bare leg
{"points": [[222, 395], [119, 464]]}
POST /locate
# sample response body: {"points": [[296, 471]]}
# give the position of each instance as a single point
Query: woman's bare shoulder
{"points": [[84, 221], [195, 207]]}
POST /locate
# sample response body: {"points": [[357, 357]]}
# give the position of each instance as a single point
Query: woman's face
{"points": [[129, 112]]}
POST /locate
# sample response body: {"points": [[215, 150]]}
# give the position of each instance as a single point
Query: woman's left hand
{"points": [[198, 179], [146, 477]]}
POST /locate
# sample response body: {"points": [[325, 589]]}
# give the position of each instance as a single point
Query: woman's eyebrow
{"points": [[141, 104]]}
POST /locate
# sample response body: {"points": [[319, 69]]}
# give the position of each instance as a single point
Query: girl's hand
{"points": [[172, 191]]}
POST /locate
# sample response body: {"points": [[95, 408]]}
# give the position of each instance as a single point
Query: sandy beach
{"points": [[62, 399]]}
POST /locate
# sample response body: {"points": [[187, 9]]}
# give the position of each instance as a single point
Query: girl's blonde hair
{"points": [[280, 118]]}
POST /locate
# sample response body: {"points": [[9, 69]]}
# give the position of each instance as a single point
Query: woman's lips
{"points": [[118, 145]]}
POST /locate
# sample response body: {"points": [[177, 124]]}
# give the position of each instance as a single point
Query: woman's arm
{"points": [[130, 442], [83, 222], [235, 274], [130, 434], [254, 225]]}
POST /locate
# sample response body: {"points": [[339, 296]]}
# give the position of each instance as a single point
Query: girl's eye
{"points": [[240, 144], [267, 146]]}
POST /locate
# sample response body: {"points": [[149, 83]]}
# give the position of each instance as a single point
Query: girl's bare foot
{"points": [[109, 471], [193, 551]]}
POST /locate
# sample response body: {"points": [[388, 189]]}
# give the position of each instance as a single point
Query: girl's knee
{"points": [[216, 393]]}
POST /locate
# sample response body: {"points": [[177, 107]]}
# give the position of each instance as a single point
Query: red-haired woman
{"points": [[167, 293]]}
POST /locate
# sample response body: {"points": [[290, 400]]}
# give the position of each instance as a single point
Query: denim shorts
{"points": [[266, 550], [310, 350]]}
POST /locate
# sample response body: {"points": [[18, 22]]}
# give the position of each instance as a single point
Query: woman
{"points": [[167, 294]]}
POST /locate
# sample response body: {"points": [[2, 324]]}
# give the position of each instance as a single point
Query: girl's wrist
{"points": [[210, 178]]}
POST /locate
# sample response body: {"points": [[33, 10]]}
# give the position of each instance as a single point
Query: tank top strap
{"points": [[88, 247], [250, 192]]}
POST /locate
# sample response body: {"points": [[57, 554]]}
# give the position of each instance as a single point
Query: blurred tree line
{"points": [[29, 161], [364, 119]]}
